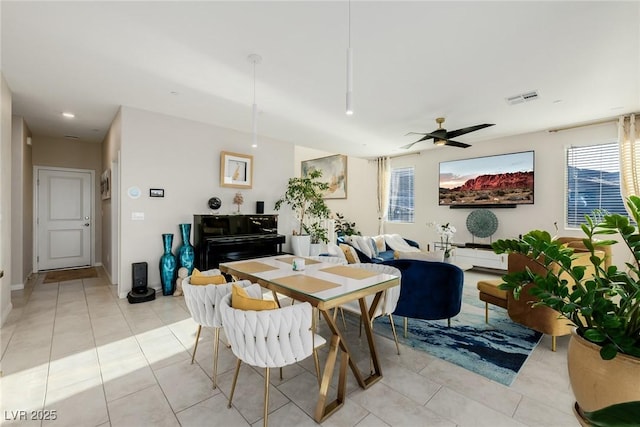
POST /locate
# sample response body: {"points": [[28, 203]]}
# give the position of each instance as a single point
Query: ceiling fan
{"points": [[441, 136]]}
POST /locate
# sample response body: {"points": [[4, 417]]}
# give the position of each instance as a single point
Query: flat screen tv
{"points": [[504, 180]]}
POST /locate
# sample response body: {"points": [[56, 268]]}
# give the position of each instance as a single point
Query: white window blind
{"points": [[593, 181], [401, 195]]}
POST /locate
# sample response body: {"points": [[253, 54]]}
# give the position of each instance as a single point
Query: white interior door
{"points": [[64, 219]]}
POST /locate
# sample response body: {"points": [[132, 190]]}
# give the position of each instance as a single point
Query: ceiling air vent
{"points": [[523, 97], [71, 137]]}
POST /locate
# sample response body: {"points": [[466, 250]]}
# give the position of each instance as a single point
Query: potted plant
{"points": [[602, 302], [345, 228], [318, 235], [305, 197]]}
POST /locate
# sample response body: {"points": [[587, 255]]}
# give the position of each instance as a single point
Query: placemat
{"points": [[252, 267], [305, 284], [350, 272], [289, 260]]}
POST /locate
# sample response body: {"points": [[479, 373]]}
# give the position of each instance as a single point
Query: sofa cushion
{"points": [[491, 287]]}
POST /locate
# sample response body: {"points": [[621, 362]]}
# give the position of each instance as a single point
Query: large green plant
{"points": [[605, 305], [305, 197]]}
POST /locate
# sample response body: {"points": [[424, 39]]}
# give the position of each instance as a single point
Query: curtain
{"points": [[629, 142], [384, 178]]}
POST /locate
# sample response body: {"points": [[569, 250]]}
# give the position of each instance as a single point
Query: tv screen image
{"points": [[500, 180]]}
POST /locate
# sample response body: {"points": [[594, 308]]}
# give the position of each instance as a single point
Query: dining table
{"points": [[325, 286]]}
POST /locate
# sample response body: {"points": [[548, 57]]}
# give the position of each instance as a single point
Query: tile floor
{"points": [[96, 360]]}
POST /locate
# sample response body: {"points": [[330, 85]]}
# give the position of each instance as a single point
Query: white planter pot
{"points": [[317, 249], [300, 245]]}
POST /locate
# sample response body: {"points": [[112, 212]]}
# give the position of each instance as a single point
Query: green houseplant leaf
{"points": [[305, 196], [625, 414], [603, 302]]}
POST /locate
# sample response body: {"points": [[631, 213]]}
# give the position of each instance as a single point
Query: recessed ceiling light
{"points": [[68, 115]]}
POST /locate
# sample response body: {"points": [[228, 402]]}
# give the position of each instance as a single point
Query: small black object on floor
{"points": [[140, 291]]}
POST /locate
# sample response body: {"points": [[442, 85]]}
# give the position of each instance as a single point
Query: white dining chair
{"points": [[269, 338], [389, 300], [203, 304]]}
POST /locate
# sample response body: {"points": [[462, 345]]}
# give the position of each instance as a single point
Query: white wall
{"points": [[549, 186], [5, 199], [21, 204], [361, 199], [183, 158], [110, 147]]}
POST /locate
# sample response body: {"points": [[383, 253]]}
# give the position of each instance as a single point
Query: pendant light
{"points": [[254, 58], [349, 109]]}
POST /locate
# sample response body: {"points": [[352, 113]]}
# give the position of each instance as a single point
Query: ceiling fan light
{"points": [[440, 142]]}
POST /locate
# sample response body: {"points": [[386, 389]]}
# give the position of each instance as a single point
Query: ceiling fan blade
{"points": [[455, 133], [456, 144], [406, 147]]}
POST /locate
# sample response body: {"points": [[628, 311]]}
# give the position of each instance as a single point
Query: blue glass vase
{"points": [[168, 266], [186, 252]]}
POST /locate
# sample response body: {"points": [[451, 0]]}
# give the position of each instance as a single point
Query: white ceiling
{"points": [[413, 62]]}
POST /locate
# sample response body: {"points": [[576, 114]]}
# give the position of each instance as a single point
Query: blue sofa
{"points": [[385, 255]]}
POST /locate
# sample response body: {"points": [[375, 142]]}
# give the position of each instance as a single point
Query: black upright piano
{"points": [[223, 238]]}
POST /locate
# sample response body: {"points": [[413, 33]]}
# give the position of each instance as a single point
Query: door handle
{"points": [[86, 224]]}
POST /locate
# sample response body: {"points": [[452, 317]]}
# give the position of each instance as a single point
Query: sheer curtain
{"points": [[384, 178], [629, 142]]}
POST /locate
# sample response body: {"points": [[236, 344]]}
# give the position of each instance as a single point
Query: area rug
{"points": [[496, 350], [70, 274]]}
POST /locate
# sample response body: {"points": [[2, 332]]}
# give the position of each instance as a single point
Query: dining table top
{"points": [[323, 284]]}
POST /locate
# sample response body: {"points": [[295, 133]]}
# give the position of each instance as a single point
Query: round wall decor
{"points": [[214, 203], [482, 223]]}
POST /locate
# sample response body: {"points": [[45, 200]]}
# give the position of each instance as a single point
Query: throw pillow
{"points": [[362, 244], [202, 278], [241, 300], [375, 252], [334, 250], [381, 245], [422, 256], [350, 254]]}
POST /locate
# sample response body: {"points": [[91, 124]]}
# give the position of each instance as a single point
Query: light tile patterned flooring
{"points": [[76, 349]]}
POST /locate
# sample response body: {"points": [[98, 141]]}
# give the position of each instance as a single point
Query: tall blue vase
{"points": [[168, 266], [186, 252]]}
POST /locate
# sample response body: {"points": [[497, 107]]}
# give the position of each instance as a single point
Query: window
{"points": [[593, 181], [401, 195]]}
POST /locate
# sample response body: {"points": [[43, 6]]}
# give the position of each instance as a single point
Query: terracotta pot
{"points": [[598, 383]]}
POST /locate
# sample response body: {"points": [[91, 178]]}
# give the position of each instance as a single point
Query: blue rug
{"points": [[496, 350]]}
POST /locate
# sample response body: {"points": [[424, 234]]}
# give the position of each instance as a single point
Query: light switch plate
{"points": [[137, 216]]}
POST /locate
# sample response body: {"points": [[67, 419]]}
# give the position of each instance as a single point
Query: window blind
{"points": [[593, 181], [401, 195]]}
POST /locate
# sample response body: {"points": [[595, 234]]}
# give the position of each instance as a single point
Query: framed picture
{"points": [[334, 173], [236, 170], [105, 184], [156, 192]]}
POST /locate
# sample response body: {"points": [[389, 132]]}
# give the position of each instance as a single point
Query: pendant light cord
{"points": [[349, 103]]}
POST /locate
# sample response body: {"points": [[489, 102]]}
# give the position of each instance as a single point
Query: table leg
{"points": [[324, 410]]}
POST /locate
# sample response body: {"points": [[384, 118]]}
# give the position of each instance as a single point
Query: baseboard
{"points": [[17, 287]]}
